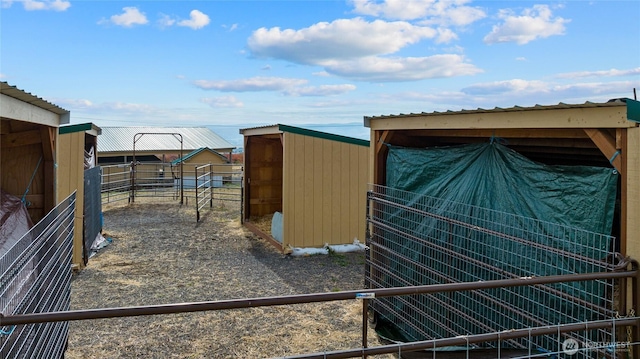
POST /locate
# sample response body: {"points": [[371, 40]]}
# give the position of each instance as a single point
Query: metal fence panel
{"points": [[418, 240], [92, 224], [35, 277]]}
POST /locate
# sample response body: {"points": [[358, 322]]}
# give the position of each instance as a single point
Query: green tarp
{"points": [[491, 175], [492, 214]]}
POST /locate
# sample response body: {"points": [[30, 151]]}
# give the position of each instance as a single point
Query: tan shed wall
{"points": [[71, 178], [324, 195]]}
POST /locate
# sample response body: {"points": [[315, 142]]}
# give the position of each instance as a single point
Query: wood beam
{"points": [[380, 151], [48, 138], [502, 133], [17, 139], [607, 145]]}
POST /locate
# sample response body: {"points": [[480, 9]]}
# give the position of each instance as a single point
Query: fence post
{"points": [[196, 178], [211, 185]]}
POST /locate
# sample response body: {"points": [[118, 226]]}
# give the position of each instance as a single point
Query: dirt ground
{"points": [[160, 255]]}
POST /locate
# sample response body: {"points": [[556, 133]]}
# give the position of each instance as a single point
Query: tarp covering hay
{"points": [[159, 255]]}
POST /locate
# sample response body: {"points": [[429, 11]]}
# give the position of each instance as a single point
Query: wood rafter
{"points": [[607, 144], [48, 138]]}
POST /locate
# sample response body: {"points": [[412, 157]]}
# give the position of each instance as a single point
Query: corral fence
{"points": [[186, 183], [35, 277], [498, 309], [625, 347], [417, 240]]}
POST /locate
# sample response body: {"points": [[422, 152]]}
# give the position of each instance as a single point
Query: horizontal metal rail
{"points": [[470, 339], [300, 299]]}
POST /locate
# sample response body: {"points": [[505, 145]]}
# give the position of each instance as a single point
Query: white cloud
{"points": [[534, 23], [2, 76], [378, 69], [521, 58], [356, 49], [165, 21], [250, 84], [5, 4], [233, 27], [197, 20], [508, 86], [34, 5], [520, 92], [223, 101], [443, 13], [603, 73], [130, 17], [340, 39], [324, 90]]}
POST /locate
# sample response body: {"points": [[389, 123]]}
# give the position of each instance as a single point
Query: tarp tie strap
{"points": [[24, 196], [614, 156], [8, 332]]}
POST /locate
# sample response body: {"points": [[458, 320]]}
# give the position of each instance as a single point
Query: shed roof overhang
{"points": [[588, 134], [88, 128], [19, 105]]}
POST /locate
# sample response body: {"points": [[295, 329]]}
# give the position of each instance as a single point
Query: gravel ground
{"points": [[160, 255]]}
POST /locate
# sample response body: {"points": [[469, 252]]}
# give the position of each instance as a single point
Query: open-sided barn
{"points": [[489, 194], [36, 230], [316, 181]]}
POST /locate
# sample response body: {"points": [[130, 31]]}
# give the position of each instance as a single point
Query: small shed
{"points": [[603, 135], [202, 156], [29, 148], [309, 185], [78, 170], [220, 168]]}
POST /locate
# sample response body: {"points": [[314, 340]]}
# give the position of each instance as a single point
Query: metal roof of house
{"points": [[159, 139], [34, 100], [631, 107]]}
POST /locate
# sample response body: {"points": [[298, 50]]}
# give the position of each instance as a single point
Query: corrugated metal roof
{"points": [[158, 139], [561, 105], [27, 97]]}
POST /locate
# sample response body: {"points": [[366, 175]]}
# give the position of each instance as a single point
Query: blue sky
{"points": [[316, 64]]}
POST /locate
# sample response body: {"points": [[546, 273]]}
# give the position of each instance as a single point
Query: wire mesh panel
{"points": [[35, 277], [418, 240]]}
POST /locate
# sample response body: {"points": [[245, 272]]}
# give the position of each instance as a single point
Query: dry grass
{"points": [[160, 255]]}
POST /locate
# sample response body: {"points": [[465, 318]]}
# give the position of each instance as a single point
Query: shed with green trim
{"points": [[316, 182]]}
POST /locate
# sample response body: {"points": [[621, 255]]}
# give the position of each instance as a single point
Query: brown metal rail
{"points": [[302, 298], [471, 339]]}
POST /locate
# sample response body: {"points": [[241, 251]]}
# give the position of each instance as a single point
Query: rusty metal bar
{"points": [[471, 339], [299, 299]]}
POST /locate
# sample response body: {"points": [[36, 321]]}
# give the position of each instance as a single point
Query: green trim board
{"points": [[194, 153], [633, 110], [79, 128], [323, 135]]}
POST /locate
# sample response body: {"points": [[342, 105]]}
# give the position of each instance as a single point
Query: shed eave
{"points": [[258, 131], [572, 117]]}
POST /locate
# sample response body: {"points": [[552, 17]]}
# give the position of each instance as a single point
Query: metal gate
{"points": [[421, 240], [92, 224], [35, 277]]}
